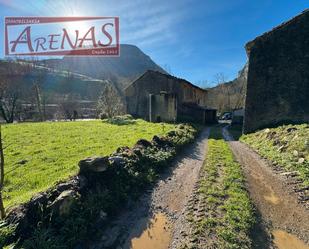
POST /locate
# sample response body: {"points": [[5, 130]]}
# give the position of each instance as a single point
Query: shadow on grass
{"points": [[259, 234]]}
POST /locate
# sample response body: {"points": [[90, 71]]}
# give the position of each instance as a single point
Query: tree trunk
{"points": [[2, 210], [3, 113], [38, 101]]}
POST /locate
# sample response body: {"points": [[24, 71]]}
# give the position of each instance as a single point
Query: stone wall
{"points": [[88, 202], [278, 76]]}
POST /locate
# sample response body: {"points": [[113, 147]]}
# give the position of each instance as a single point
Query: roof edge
{"points": [[166, 75]]}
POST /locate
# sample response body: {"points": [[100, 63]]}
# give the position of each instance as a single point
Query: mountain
{"points": [[121, 71], [68, 80], [229, 95], [23, 75]]}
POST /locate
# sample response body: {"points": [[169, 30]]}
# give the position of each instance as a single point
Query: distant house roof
{"points": [[167, 76], [250, 44]]}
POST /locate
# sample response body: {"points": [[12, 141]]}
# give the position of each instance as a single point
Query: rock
{"points": [[295, 152], [301, 160], [144, 143], [19, 217], [82, 182], [34, 206], [38, 199], [122, 149], [16, 215], [64, 186], [93, 164], [63, 203], [160, 141], [157, 139], [137, 151], [291, 129], [171, 134], [117, 160]]}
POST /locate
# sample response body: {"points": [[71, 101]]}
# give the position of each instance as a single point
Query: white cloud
{"points": [[150, 23]]}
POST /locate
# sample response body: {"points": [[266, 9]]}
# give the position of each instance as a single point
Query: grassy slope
{"points": [[230, 216], [52, 151], [286, 146]]}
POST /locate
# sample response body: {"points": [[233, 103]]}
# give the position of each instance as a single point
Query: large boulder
{"points": [[171, 134], [93, 164], [161, 141], [63, 203], [117, 161], [143, 143]]}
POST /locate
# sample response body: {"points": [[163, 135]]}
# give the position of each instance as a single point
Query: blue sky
{"points": [[195, 39]]}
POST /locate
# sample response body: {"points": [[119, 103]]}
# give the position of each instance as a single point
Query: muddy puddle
{"points": [[284, 240], [154, 233]]}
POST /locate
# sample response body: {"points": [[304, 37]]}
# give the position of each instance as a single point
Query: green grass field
{"points": [[286, 146], [40, 154]]}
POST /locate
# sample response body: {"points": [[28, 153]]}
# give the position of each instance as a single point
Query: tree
{"points": [[39, 101], [205, 84], [10, 89], [9, 97], [110, 103], [68, 107], [39, 95], [224, 96]]}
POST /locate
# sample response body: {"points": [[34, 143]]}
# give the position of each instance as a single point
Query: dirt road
{"points": [[155, 221], [158, 219], [274, 200]]}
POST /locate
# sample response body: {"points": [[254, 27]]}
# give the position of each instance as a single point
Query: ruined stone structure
{"points": [[161, 97], [278, 76]]}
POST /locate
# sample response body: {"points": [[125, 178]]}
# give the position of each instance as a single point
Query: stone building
{"points": [[161, 97], [278, 76]]}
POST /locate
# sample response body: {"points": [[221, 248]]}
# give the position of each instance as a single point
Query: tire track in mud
{"points": [[275, 201]]}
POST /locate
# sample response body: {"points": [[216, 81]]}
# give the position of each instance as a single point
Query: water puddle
{"points": [[156, 234], [284, 240]]}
